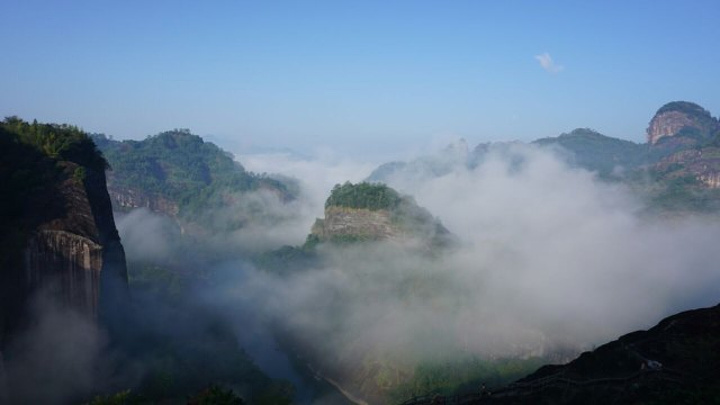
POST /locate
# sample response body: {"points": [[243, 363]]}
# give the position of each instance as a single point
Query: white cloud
{"points": [[546, 251], [548, 64]]}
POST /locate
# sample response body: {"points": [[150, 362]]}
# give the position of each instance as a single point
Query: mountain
{"points": [[57, 228], [593, 151], [456, 155], [582, 147], [675, 362], [681, 123], [366, 211], [676, 171], [177, 174], [58, 235]]}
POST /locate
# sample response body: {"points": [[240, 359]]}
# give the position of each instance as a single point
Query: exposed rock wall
{"points": [[70, 248], [710, 180], [67, 263], [355, 222], [676, 118], [124, 198], [668, 124], [702, 164]]}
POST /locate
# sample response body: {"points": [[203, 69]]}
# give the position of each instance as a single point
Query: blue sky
{"points": [[357, 76]]}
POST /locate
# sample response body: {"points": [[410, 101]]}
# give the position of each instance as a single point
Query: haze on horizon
{"points": [[359, 78]]}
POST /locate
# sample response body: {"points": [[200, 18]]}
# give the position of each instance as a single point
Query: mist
{"points": [[550, 257], [56, 358], [549, 260]]}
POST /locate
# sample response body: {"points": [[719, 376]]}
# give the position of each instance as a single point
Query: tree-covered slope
{"points": [[374, 211], [177, 166], [596, 152]]}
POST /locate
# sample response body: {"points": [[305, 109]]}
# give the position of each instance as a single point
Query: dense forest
{"points": [[363, 195], [196, 175]]}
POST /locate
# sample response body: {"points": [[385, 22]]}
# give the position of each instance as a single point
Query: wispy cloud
{"points": [[548, 64]]}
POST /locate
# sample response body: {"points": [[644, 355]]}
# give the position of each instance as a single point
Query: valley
{"points": [[422, 278]]}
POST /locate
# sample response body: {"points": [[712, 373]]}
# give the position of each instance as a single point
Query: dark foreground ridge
{"points": [[677, 361]]}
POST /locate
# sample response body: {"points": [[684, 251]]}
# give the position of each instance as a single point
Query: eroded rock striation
{"points": [[681, 117], [59, 234]]}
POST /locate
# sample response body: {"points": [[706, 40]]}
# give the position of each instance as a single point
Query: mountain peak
{"points": [[373, 211], [681, 118]]}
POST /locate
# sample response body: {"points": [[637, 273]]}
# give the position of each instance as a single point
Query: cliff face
{"points": [[58, 236], [667, 124], [701, 164], [69, 261], [673, 118], [68, 253], [360, 223], [375, 212], [125, 198]]}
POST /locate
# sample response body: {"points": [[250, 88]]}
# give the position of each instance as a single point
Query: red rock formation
{"points": [[667, 124], [673, 117]]}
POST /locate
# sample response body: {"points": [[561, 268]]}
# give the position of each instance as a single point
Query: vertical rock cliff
{"points": [[58, 235], [71, 253], [681, 118]]}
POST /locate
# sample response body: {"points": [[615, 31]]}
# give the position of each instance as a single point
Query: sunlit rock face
{"points": [[124, 198], [701, 164], [668, 124], [355, 222], [376, 212], [681, 117]]}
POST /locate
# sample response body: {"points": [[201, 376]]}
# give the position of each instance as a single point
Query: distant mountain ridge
{"points": [[678, 169]]}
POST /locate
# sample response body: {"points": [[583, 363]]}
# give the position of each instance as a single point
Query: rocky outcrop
{"points": [[374, 212], [667, 124], [125, 199], [701, 164], [360, 223], [69, 263], [68, 253], [671, 119], [63, 242]]}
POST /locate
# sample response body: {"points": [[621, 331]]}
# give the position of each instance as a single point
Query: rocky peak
{"points": [[59, 233], [677, 116], [367, 211]]}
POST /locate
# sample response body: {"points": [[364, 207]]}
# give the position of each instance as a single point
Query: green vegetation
{"points": [[364, 195], [179, 166], [60, 142], [290, 258], [215, 395], [596, 152], [35, 160], [157, 279], [466, 375], [685, 107]]}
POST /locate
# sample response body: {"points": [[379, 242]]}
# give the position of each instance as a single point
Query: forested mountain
{"points": [[69, 320], [179, 174], [366, 211], [677, 170], [59, 246], [382, 301], [596, 152], [674, 362]]}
